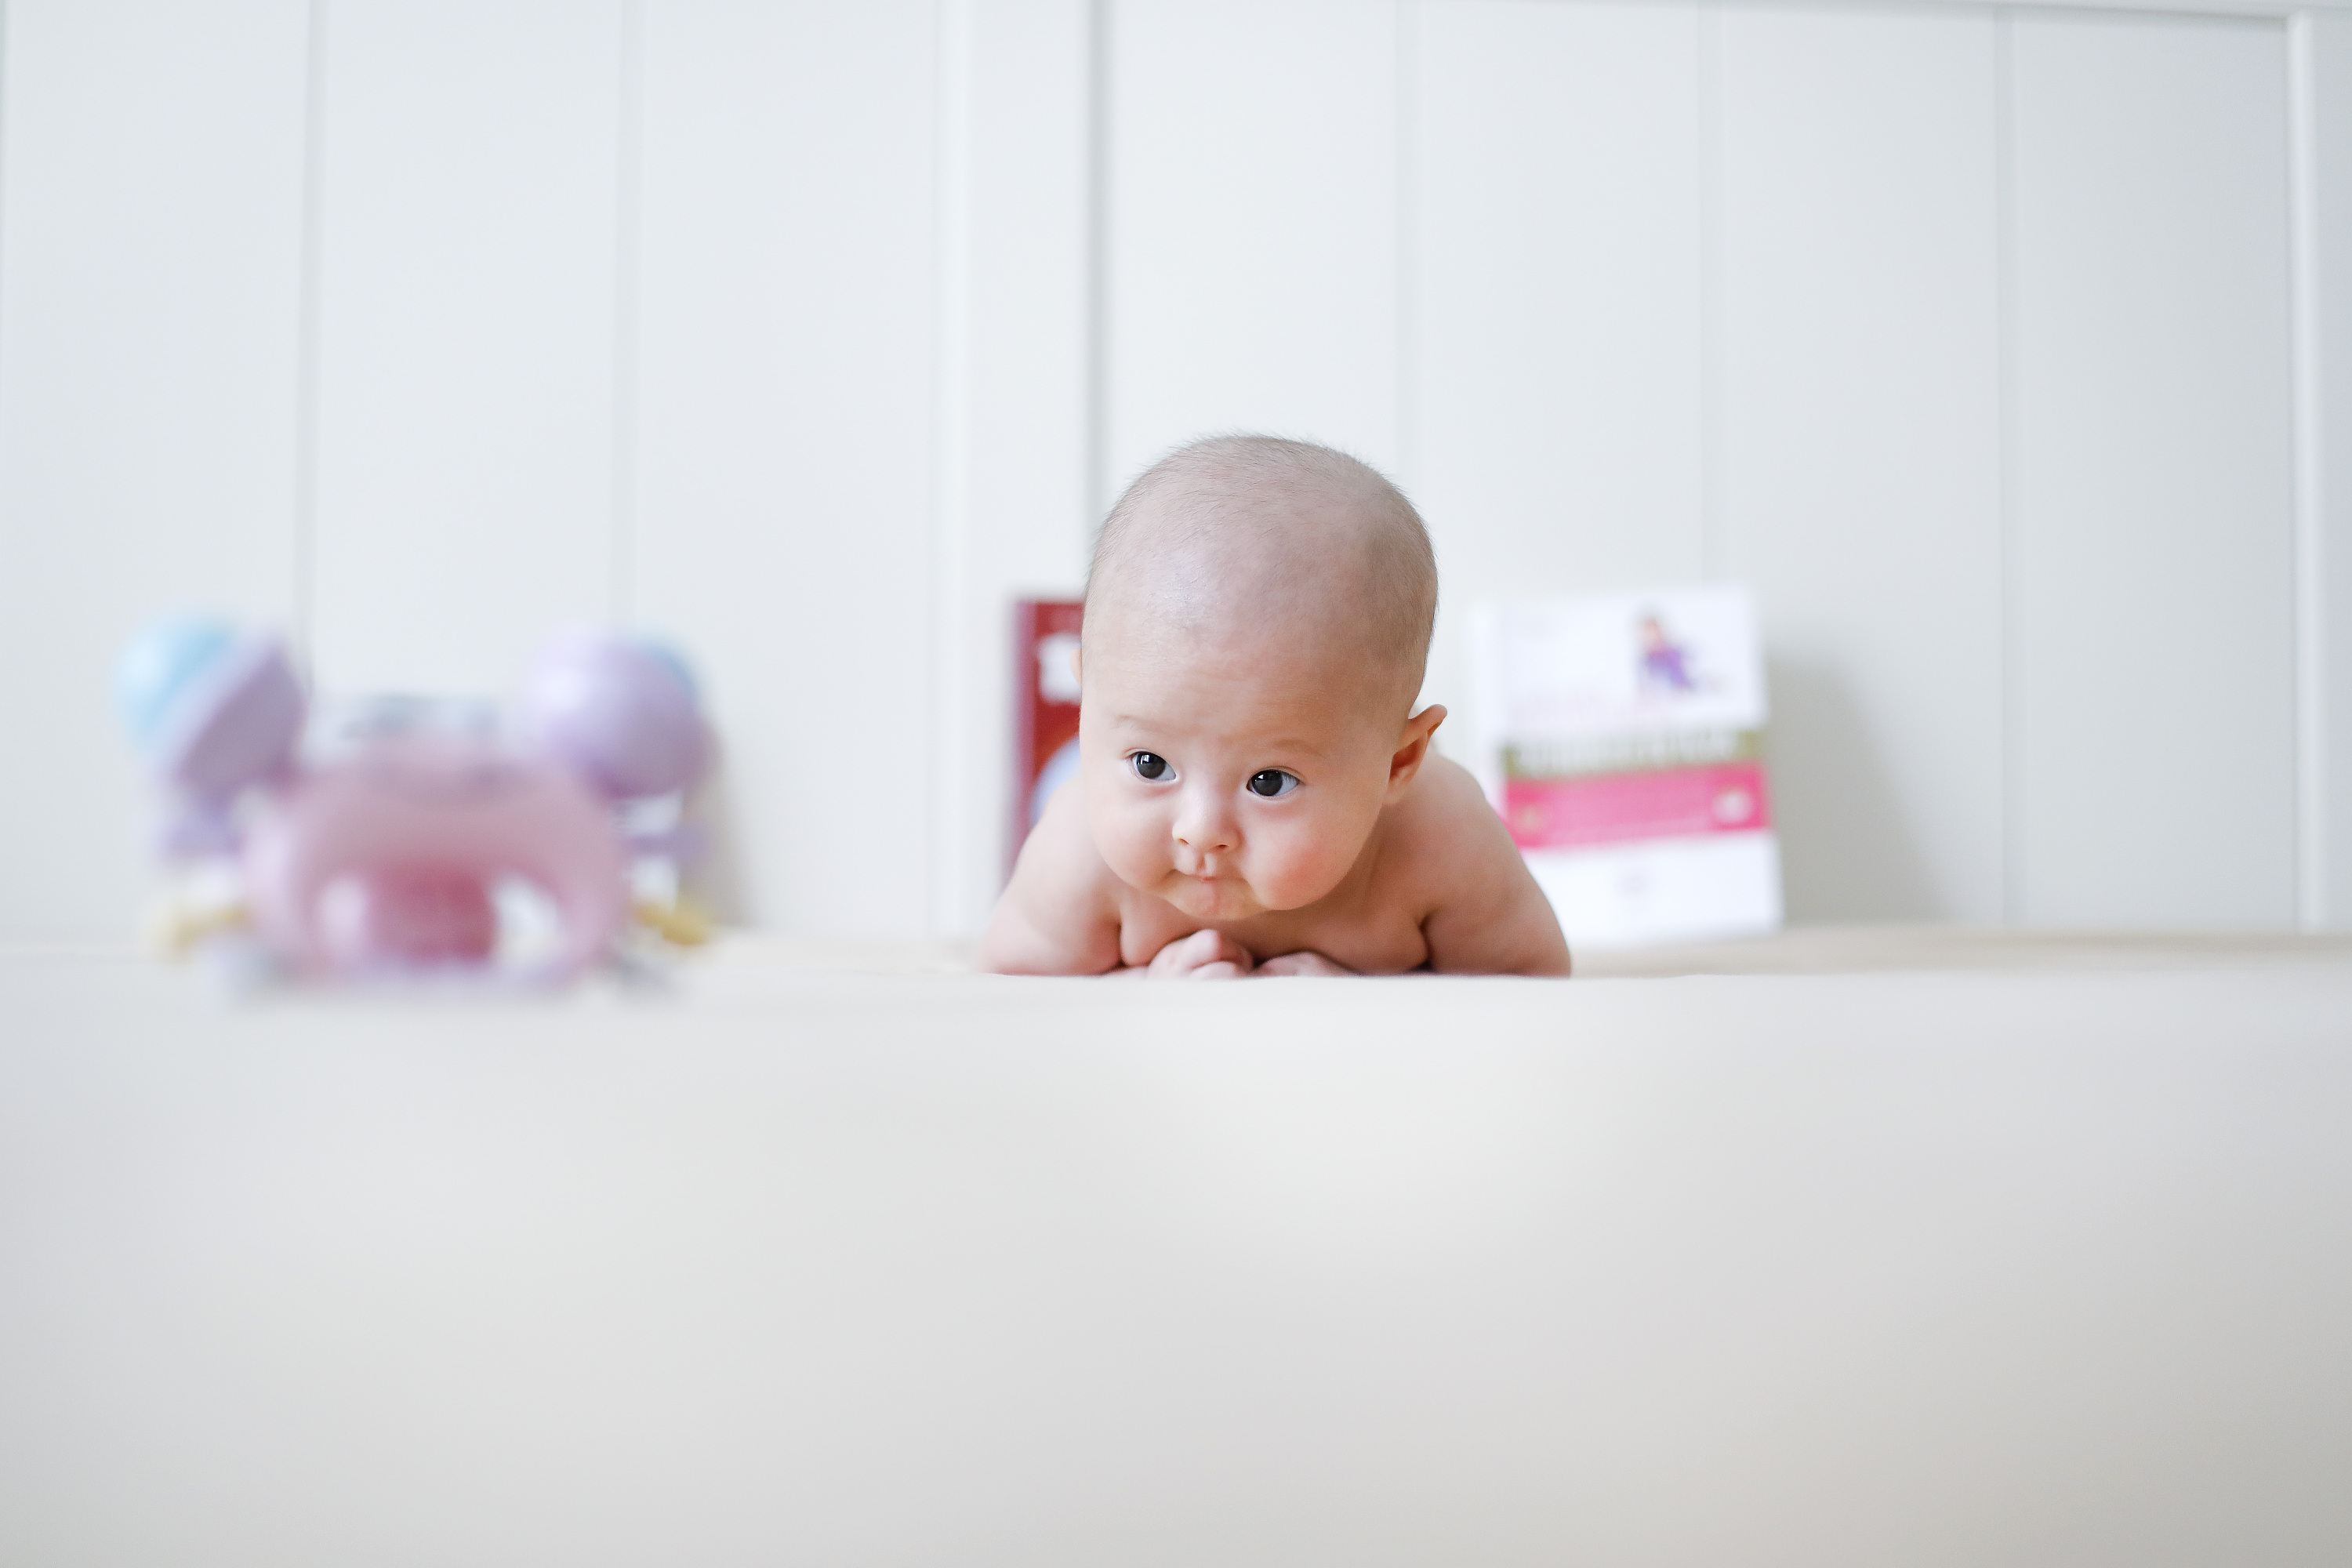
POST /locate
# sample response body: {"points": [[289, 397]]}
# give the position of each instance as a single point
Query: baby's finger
{"points": [[1180, 959], [1303, 963], [1187, 953], [1225, 950], [1175, 957], [1222, 969]]}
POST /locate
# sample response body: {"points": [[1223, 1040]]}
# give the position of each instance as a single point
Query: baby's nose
{"points": [[1204, 833]]}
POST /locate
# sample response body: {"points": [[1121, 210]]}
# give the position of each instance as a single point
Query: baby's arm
{"points": [[1059, 915], [1488, 917]]}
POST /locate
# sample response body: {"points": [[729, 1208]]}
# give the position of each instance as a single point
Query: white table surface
{"points": [[1959, 1249]]}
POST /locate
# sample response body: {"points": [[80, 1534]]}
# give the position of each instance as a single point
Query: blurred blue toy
{"points": [[214, 711]]}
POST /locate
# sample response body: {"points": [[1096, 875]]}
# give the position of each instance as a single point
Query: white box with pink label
{"points": [[1622, 740]]}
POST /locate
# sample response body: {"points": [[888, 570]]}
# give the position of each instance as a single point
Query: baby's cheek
{"points": [[1130, 845], [1302, 861]]}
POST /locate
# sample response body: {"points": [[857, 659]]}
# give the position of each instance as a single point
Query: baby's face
{"points": [[1231, 776]]}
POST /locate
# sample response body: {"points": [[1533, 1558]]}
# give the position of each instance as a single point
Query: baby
{"points": [[1255, 793]]}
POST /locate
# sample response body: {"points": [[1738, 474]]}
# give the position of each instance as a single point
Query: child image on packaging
{"points": [[1665, 663], [1255, 793]]}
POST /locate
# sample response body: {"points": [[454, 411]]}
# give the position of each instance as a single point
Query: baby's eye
{"points": [[1272, 782], [1149, 765]]}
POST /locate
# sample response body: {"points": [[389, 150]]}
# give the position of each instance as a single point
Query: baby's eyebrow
{"points": [[1290, 745]]}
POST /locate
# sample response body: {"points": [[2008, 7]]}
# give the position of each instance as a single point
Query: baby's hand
{"points": [[1304, 961], [1203, 955]]}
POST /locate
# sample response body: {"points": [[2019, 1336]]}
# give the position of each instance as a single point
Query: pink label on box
{"points": [[1671, 803]]}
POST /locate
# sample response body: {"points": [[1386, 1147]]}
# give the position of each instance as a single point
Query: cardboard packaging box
{"points": [[1044, 708], [1622, 740]]}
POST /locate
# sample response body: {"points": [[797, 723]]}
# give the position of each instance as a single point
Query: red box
{"points": [[1044, 707]]}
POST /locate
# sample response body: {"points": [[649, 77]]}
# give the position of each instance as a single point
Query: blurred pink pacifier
{"points": [[397, 857]]}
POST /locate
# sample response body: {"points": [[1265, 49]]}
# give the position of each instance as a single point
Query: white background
{"points": [[2006, 353]]}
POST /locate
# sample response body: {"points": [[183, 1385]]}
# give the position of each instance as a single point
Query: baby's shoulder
{"points": [[1445, 800], [1070, 869], [1059, 915], [1444, 834], [1483, 912]]}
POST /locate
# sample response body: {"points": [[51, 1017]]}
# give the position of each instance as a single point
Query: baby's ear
{"points": [[1412, 747]]}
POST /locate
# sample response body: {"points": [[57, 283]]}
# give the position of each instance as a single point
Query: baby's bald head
{"points": [[1250, 536]]}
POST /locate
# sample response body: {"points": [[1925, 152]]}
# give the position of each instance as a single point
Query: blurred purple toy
{"points": [[621, 714], [392, 858]]}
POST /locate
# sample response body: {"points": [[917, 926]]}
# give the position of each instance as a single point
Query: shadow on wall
{"points": [[1847, 852]]}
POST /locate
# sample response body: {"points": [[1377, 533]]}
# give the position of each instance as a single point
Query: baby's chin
{"points": [[1220, 899]]}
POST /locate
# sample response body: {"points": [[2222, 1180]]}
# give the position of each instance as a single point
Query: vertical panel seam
{"points": [[302, 608], [1099, 280], [1712, 486], [951, 504], [2310, 473], [1407, 274], [627, 225], [2010, 524], [7, 33]]}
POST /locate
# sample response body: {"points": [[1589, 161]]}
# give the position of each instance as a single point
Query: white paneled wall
{"points": [[2008, 354], [2154, 596], [1017, 431], [1251, 224], [467, 213], [1859, 452], [786, 252], [1555, 325], [2322, 126], [151, 250]]}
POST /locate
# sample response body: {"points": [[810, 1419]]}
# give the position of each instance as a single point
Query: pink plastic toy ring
{"points": [[386, 862]]}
